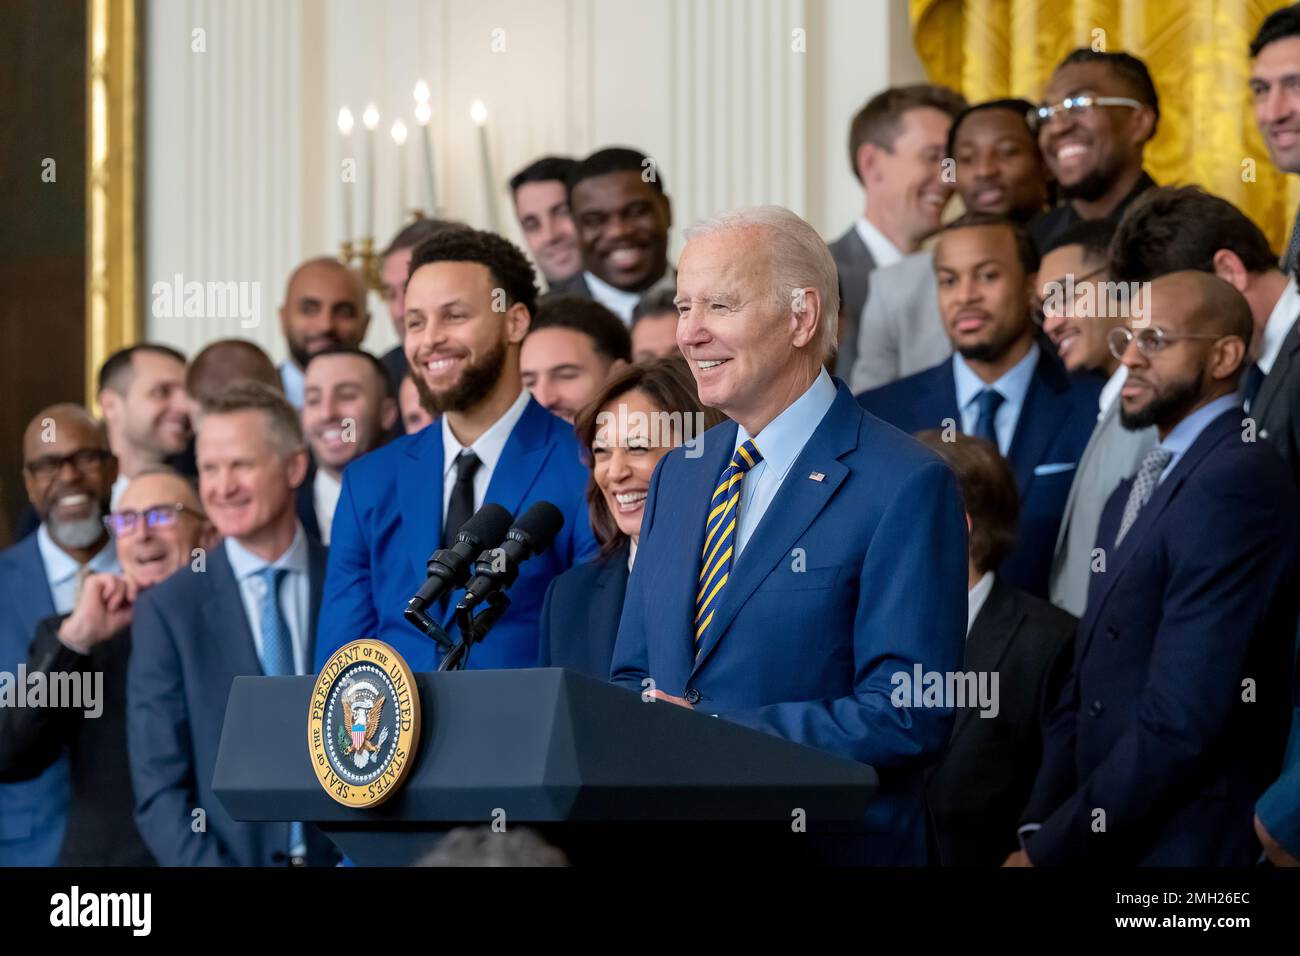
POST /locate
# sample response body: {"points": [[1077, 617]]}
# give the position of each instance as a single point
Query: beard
{"points": [[992, 350], [476, 383], [1171, 405], [1095, 184], [81, 532]]}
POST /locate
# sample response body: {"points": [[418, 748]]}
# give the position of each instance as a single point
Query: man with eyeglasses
{"points": [[1075, 297], [68, 472], [1172, 720], [1096, 116], [158, 528]]}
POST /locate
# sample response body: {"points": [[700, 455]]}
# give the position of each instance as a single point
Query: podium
{"points": [[595, 769]]}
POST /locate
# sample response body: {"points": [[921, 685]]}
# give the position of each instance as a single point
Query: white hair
{"points": [[800, 260]]}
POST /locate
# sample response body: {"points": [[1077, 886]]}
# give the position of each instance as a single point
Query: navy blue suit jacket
{"points": [[848, 581], [389, 520], [33, 813], [581, 614], [1151, 726], [191, 639], [1056, 420]]}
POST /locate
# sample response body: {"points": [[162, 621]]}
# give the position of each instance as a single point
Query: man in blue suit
{"points": [[69, 473], [1000, 384], [469, 300], [792, 575], [1173, 719], [248, 608]]}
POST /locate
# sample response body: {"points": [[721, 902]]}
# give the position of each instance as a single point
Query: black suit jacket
{"points": [[581, 613], [1050, 224], [304, 498], [1276, 409], [979, 786], [101, 830]]}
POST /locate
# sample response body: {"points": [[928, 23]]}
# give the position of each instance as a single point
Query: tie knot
{"points": [[271, 577], [746, 456], [1156, 459], [466, 465], [988, 401]]}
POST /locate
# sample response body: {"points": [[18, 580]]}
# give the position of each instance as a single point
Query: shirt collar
{"points": [[883, 252], [1181, 437], [784, 437], [245, 563], [618, 301], [1013, 384], [487, 446], [1110, 391], [61, 567], [976, 597], [1279, 324], [293, 380]]}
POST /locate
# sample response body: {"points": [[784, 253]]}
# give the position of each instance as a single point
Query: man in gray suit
{"points": [[1077, 318], [999, 170], [896, 151], [1176, 228]]}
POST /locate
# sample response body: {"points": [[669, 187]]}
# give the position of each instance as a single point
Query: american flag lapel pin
{"points": [[817, 476]]}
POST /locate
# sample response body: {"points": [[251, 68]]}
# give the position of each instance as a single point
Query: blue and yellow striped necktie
{"points": [[720, 537]]}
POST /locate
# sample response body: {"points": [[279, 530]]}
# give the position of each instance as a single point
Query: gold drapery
{"points": [[1198, 54]]}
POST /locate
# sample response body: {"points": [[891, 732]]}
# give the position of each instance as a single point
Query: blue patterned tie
{"points": [[1144, 483], [987, 403], [277, 653], [720, 537]]}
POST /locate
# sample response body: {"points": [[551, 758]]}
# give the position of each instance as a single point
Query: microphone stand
{"points": [[415, 615], [473, 628]]}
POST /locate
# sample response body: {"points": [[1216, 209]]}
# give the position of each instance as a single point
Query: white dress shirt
{"points": [[295, 594], [976, 597], [1279, 324], [62, 570], [325, 491], [1013, 386], [294, 382], [1110, 391], [883, 252], [780, 443], [119, 486], [487, 446], [616, 300]]}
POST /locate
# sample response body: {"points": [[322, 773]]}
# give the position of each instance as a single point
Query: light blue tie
{"points": [[277, 655]]}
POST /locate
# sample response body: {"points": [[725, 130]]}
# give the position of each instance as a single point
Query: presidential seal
{"points": [[364, 723]]}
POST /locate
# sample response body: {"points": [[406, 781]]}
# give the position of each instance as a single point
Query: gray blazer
{"points": [[854, 262], [1112, 454], [1276, 408], [900, 332]]}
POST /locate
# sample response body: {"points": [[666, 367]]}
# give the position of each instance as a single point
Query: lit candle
{"points": [[399, 137], [478, 113], [345, 131], [370, 119], [423, 113]]}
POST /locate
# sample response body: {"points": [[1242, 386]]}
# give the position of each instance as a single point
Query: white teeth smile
{"points": [[625, 257], [630, 497], [710, 363], [1070, 150], [437, 365], [332, 434], [69, 500]]}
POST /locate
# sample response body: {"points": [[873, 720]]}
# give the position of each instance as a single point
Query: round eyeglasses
{"points": [[1150, 341]]}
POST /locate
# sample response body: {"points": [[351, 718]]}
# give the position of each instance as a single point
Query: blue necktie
{"points": [[277, 653], [987, 403]]}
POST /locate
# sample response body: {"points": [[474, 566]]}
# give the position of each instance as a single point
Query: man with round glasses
{"points": [[158, 528], [1095, 118]]}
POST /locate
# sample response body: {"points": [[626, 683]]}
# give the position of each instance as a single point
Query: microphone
{"points": [[449, 568], [496, 569]]}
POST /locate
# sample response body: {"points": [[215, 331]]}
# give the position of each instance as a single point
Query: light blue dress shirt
{"points": [[295, 594], [1013, 386], [1181, 437], [61, 569], [780, 444]]}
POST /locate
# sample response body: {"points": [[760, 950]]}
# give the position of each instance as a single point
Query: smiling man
{"points": [[572, 348], [469, 302], [1275, 88], [622, 215], [1096, 116], [324, 307], [542, 208]]}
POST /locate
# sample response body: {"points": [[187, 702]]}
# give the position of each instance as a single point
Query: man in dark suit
{"points": [[157, 526], [622, 214], [347, 412], [1097, 115], [896, 151], [777, 571], [1000, 385], [1175, 712], [68, 472], [493, 443], [1017, 643], [249, 607], [1171, 229]]}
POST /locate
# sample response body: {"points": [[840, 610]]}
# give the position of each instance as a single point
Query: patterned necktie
{"points": [[720, 536], [1288, 261], [277, 642], [1145, 483], [987, 403], [460, 506]]}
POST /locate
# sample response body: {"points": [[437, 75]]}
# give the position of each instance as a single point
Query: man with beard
{"points": [[1097, 114], [156, 527], [346, 413], [1000, 385], [622, 215], [69, 472], [542, 208], [324, 307], [469, 302], [396, 265], [1172, 721], [146, 409]]}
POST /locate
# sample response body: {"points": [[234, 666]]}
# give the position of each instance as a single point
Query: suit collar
{"points": [[1040, 418], [26, 577], [1278, 372], [991, 635], [224, 617]]}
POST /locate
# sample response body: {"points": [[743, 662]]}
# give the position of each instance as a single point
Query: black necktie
{"points": [[460, 508], [1250, 384]]}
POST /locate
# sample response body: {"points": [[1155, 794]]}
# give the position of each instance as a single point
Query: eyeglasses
{"points": [[1149, 341], [1040, 303], [123, 523], [1076, 106], [83, 460]]}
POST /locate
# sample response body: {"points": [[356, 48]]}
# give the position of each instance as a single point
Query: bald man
{"points": [[224, 362], [324, 307], [1173, 718], [159, 527], [68, 472]]}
